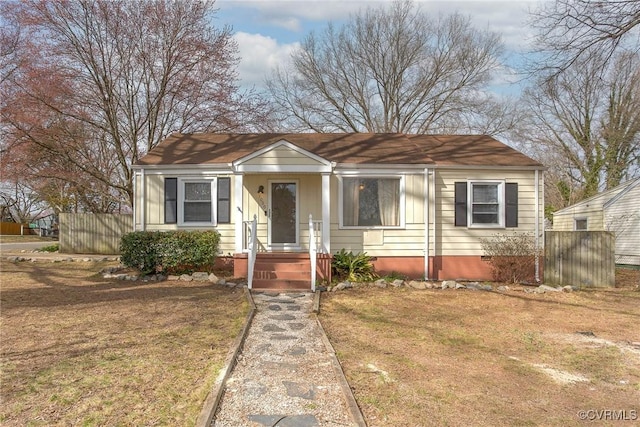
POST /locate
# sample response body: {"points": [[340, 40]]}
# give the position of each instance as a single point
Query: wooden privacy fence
{"points": [[93, 233], [579, 258], [14, 229]]}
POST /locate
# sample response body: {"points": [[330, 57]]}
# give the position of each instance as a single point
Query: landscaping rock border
{"points": [[56, 257], [451, 284], [117, 273]]}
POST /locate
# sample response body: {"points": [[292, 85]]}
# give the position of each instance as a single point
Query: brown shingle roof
{"points": [[349, 148]]}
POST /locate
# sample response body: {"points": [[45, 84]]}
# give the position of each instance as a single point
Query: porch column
{"points": [[326, 213], [537, 226], [238, 217], [427, 249], [135, 200]]}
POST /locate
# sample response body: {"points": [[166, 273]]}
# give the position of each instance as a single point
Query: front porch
{"points": [[288, 270], [284, 270]]}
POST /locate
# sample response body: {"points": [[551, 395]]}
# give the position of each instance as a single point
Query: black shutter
{"points": [[511, 205], [461, 204], [224, 200], [170, 200]]}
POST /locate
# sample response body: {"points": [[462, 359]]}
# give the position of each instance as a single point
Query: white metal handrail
{"points": [[252, 246]]}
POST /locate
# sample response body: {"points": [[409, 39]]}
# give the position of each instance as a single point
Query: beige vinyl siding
{"points": [[282, 156], [310, 202], [155, 201], [154, 209], [590, 209], [405, 241], [309, 192], [593, 215], [562, 223], [452, 240]]}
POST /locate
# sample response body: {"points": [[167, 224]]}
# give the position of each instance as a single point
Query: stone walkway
{"points": [[285, 375]]}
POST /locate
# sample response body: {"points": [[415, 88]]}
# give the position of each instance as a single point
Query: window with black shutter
{"points": [[461, 204], [197, 201], [486, 204], [224, 200], [511, 207], [170, 200]]}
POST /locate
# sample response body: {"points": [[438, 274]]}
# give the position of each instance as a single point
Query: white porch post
{"points": [[326, 213], [238, 217], [432, 192], [426, 224], [537, 225], [135, 200]]}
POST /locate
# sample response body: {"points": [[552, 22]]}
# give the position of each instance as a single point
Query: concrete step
{"points": [[281, 284], [282, 275]]}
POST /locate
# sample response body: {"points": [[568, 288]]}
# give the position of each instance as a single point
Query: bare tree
{"points": [[585, 124], [570, 29], [19, 204], [100, 82], [392, 70]]}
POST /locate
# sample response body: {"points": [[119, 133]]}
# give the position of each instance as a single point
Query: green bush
{"points": [[51, 248], [171, 252], [353, 267], [512, 256], [138, 250]]}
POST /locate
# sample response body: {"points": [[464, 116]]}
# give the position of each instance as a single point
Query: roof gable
{"points": [[282, 156], [626, 188], [600, 200]]}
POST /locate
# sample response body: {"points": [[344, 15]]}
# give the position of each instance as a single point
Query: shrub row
{"points": [[170, 252]]}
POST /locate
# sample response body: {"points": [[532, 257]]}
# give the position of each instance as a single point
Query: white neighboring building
{"points": [[616, 210]]}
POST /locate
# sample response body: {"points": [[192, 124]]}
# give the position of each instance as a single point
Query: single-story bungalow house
{"points": [[616, 210], [418, 204]]}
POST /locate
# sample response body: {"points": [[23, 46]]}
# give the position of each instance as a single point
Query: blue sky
{"points": [[268, 31]]}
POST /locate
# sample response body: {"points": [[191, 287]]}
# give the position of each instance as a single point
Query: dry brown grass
{"points": [[461, 357], [78, 349]]}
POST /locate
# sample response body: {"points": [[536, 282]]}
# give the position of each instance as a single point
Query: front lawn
{"points": [[78, 349], [465, 357]]}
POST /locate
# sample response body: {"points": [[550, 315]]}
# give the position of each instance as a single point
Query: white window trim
{"points": [[401, 211], [501, 203], [214, 206]]}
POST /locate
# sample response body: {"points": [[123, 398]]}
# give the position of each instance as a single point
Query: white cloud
{"points": [[507, 17], [259, 55], [279, 22]]}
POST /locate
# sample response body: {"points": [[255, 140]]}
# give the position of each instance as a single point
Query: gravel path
{"points": [[285, 374]]}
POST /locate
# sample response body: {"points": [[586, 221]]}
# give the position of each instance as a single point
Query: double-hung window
{"points": [[486, 204], [485, 200], [372, 202], [197, 201]]}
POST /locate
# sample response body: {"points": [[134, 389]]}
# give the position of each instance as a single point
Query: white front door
{"points": [[283, 215]]}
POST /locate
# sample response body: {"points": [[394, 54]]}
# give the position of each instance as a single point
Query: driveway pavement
{"points": [[22, 246]]}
